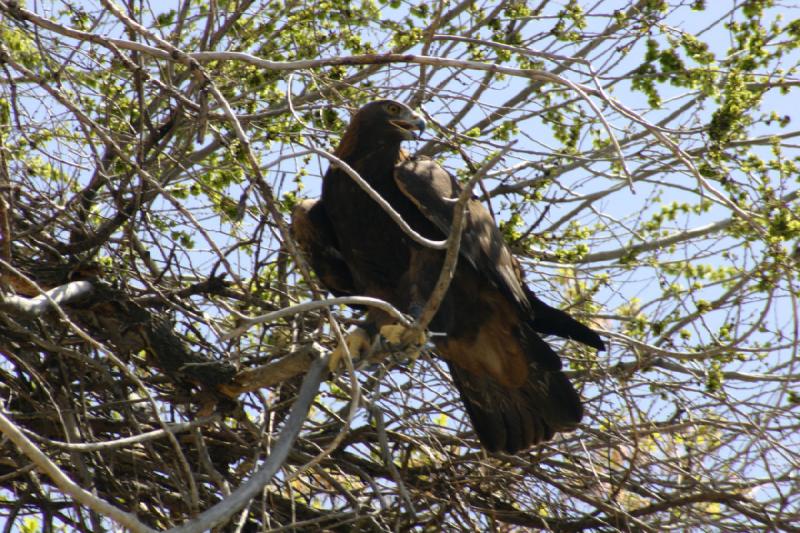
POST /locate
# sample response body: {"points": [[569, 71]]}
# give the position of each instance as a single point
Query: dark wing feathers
{"points": [[312, 231], [552, 321], [434, 191], [430, 188]]}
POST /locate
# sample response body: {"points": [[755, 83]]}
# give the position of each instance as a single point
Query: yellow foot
{"points": [[356, 344], [401, 336]]}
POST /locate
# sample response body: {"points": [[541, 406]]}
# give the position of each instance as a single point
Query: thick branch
{"points": [[33, 307], [271, 374]]}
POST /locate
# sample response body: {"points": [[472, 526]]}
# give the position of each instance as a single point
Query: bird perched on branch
{"points": [[509, 378]]}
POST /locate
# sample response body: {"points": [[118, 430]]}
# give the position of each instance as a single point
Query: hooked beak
{"points": [[410, 128]]}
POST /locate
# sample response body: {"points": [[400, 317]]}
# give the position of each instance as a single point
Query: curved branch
{"points": [[453, 243], [33, 307], [317, 304], [375, 195]]}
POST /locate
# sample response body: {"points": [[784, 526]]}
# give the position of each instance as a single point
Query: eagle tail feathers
{"points": [[549, 320], [512, 419]]}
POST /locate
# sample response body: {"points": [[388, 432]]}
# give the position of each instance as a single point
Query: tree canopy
{"points": [[163, 344]]}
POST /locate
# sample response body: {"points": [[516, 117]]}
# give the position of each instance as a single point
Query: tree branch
{"points": [[33, 307]]}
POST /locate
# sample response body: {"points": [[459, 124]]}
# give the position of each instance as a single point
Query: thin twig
{"points": [[126, 441]]}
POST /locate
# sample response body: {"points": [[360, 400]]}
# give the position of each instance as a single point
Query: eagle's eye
{"points": [[394, 109]]}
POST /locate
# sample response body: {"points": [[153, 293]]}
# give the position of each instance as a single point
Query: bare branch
{"points": [[39, 305]]}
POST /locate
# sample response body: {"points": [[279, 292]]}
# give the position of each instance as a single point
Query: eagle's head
{"points": [[389, 120]]}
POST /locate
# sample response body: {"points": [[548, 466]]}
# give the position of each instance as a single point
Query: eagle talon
{"points": [[357, 343], [396, 336]]}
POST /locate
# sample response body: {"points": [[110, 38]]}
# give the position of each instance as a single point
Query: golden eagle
{"points": [[510, 379]]}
